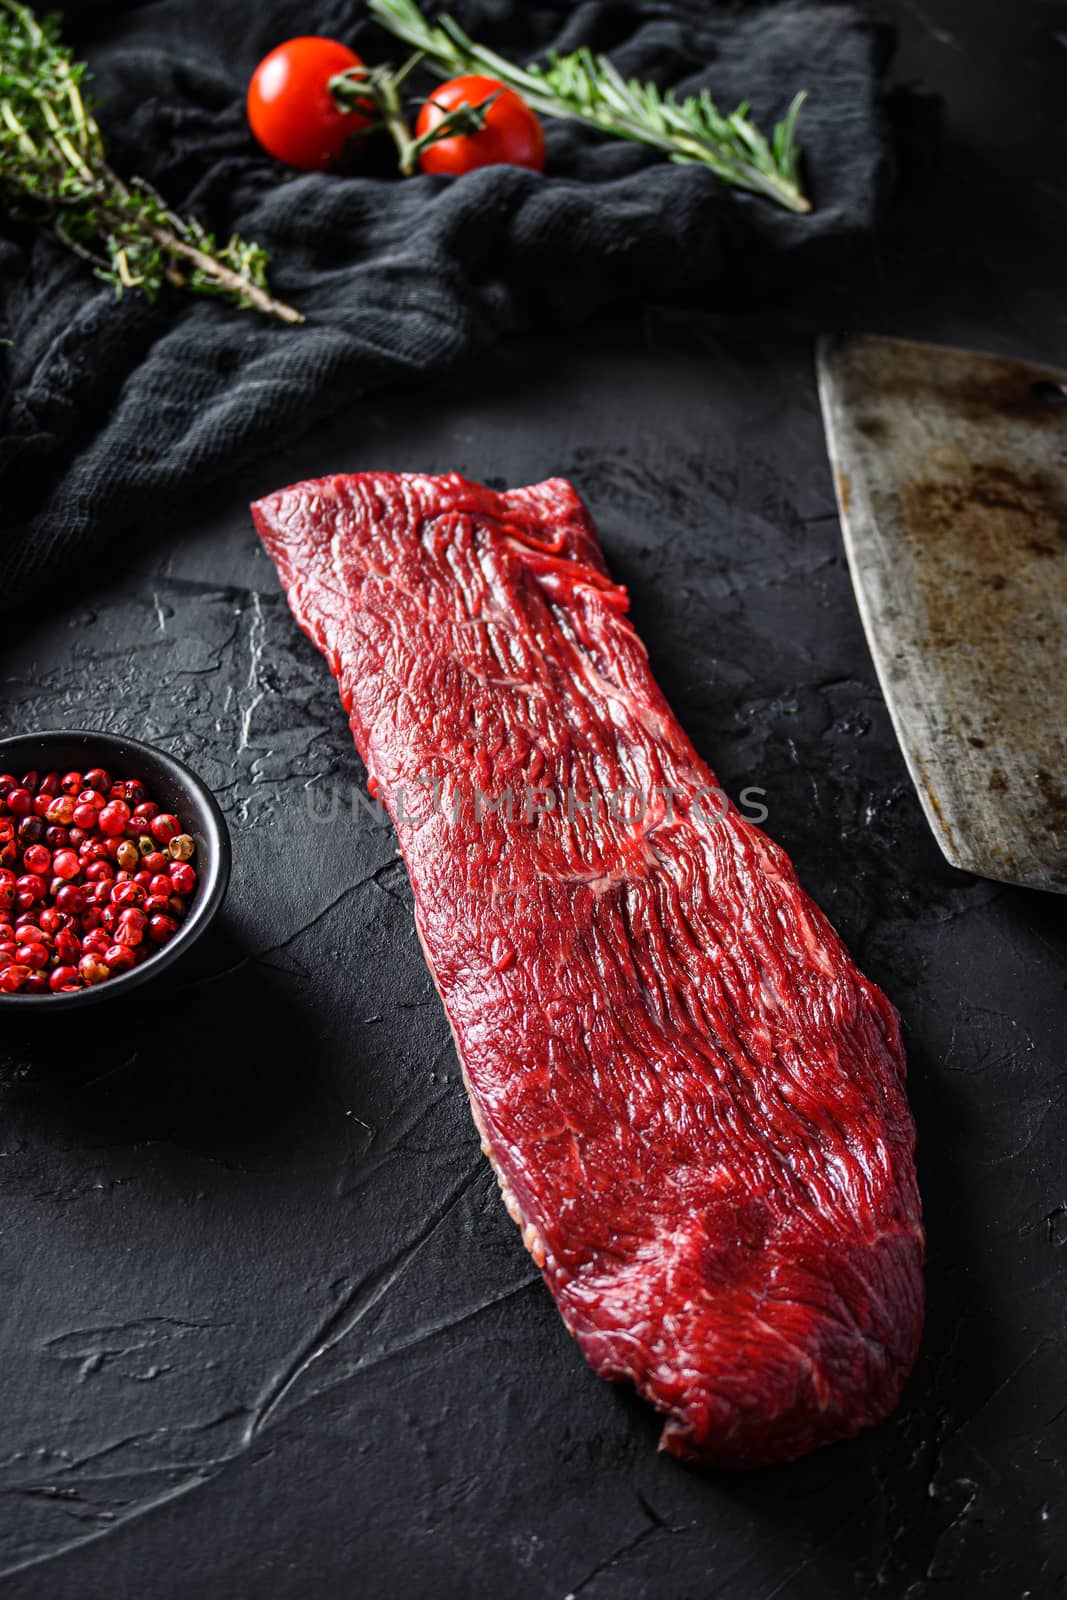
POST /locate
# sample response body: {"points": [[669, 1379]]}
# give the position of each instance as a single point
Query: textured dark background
{"points": [[266, 1329]]}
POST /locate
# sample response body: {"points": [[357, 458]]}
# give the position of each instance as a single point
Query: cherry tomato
{"points": [[511, 133], [290, 108]]}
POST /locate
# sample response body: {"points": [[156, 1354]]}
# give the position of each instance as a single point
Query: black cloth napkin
{"points": [[113, 406]]}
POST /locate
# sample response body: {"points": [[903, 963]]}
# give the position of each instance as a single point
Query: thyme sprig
{"points": [[589, 88], [54, 170]]}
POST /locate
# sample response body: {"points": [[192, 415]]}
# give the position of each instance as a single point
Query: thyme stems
{"points": [[54, 169]]}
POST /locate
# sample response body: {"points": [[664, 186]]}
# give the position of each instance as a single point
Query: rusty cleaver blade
{"points": [[951, 475]]}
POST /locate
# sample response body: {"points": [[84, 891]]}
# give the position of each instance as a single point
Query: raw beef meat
{"points": [[693, 1101]]}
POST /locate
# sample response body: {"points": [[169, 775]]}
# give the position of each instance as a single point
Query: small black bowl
{"points": [[177, 789]]}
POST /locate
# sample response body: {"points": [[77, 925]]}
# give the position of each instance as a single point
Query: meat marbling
{"points": [[692, 1099]]}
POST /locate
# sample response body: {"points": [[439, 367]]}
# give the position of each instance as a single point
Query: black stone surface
{"points": [[266, 1329]]}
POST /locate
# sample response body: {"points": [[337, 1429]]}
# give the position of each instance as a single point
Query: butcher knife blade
{"points": [[951, 476]]}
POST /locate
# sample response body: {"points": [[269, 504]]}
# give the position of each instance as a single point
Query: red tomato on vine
{"points": [[511, 133], [291, 110]]}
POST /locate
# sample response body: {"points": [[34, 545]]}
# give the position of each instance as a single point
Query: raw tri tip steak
{"points": [[693, 1100]]}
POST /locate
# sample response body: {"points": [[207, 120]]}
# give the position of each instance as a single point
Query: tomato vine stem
{"points": [[375, 91]]}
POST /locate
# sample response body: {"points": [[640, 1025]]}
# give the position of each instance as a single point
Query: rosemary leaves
{"points": [[587, 87]]}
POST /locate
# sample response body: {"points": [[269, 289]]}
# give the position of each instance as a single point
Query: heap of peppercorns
{"points": [[94, 878]]}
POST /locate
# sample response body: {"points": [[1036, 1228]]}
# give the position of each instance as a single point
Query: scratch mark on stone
{"points": [[941, 35], [825, 1544], [615, 1557], [81, 1539], [306, 927], [283, 944], [256, 641], [109, 1072], [356, 1305], [391, 1140], [434, 1330], [394, 866]]}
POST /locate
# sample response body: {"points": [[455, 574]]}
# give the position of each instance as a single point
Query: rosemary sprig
{"points": [[587, 87], [54, 170]]}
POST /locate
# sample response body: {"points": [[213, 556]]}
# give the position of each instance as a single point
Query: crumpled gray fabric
{"points": [[112, 406]]}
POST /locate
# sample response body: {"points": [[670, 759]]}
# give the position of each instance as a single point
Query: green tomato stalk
{"points": [[375, 91]]}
